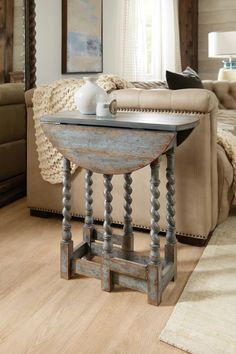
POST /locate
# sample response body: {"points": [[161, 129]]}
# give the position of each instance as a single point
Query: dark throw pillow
{"points": [[187, 79]]}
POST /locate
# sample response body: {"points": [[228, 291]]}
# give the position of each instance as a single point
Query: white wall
{"points": [[214, 15], [110, 37], [48, 38]]}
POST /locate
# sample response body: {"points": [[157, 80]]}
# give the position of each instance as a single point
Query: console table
{"points": [[109, 146]]}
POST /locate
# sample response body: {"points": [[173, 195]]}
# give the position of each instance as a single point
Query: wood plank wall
{"points": [[188, 24], [19, 36], [214, 15], [6, 38]]}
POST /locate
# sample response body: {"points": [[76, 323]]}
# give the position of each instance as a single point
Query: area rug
{"points": [[204, 319]]}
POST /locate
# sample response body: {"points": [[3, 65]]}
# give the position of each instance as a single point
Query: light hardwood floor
{"points": [[41, 313]]}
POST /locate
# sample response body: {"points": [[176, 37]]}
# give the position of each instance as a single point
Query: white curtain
{"points": [[132, 39], [132, 48]]}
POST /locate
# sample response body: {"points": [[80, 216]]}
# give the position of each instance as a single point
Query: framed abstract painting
{"points": [[82, 49]]}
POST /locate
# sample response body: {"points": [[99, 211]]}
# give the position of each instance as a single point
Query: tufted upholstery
{"points": [[169, 100], [225, 91]]}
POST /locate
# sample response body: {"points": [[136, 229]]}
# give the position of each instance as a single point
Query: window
{"points": [[149, 39]]}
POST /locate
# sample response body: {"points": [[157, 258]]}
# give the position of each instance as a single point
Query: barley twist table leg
{"points": [[88, 226], [154, 266], [66, 243], [171, 245], [155, 217], [128, 237], [107, 238]]}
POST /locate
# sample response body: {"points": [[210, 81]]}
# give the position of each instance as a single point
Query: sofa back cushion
{"points": [[225, 91]]}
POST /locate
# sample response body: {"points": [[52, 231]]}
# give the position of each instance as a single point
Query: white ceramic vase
{"points": [[86, 96]]}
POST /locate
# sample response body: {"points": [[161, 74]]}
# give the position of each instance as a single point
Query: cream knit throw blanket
{"points": [[59, 96], [53, 98], [228, 141]]}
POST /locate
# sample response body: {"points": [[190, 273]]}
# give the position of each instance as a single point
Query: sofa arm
{"points": [[196, 159], [29, 98], [11, 94], [189, 100]]}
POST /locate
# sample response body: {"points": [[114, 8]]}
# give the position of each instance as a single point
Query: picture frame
{"points": [[82, 36]]}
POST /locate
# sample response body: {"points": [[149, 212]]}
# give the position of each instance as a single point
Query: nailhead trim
{"points": [[119, 223]]}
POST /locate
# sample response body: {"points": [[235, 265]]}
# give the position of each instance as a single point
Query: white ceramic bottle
{"points": [[86, 96]]}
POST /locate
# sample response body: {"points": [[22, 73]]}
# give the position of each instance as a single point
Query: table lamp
{"points": [[223, 45]]}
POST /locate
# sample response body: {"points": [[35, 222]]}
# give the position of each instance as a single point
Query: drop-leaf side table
{"points": [[119, 145]]}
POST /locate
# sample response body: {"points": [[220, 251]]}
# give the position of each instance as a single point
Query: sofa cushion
{"points": [[187, 79], [227, 115], [226, 119]]}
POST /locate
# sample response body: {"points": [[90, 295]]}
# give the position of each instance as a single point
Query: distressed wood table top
{"points": [[122, 144], [136, 120]]}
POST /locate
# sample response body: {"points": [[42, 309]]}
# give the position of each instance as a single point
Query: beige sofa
{"points": [[204, 176], [12, 143]]}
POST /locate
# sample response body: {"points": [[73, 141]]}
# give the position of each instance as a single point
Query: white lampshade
{"points": [[222, 44]]}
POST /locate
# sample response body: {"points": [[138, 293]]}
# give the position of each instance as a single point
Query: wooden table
{"points": [[111, 146]]}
